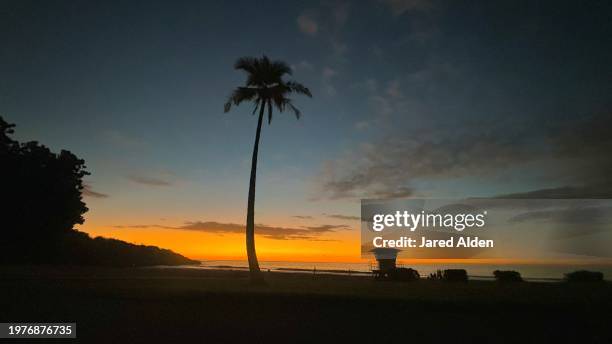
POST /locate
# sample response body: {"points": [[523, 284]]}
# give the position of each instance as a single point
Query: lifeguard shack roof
{"points": [[385, 253]]}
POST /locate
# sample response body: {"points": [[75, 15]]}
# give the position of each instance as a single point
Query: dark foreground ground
{"points": [[189, 306]]}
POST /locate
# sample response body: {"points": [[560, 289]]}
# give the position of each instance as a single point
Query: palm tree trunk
{"points": [[255, 273]]}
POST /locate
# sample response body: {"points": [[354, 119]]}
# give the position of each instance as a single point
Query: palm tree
{"points": [[264, 87]]}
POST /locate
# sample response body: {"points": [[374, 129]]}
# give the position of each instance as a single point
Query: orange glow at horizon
{"points": [[340, 247]]}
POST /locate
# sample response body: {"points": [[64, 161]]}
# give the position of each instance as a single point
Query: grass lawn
{"points": [[188, 305]]}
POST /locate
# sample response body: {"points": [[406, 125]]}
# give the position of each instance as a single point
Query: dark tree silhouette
{"points": [[41, 204], [41, 193], [264, 87]]}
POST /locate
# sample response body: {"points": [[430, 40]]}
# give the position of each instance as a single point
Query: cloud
{"points": [[143, 226], [575, 216], [270, 232], [328, 23], [384, 98], [307, 23], [303, 217], [571, 221], [338, 49], [387, 168], [398, 192], [377, 51], [326, 228], [340, 13], [574, 151], [393, 89], [398, 7], [302, 65], [369, 85], [120, 140], [583, 147], [343, 217], [312, 233], [89, 192], [149, 181], [362, 125], [589, 191], [327, 74]]}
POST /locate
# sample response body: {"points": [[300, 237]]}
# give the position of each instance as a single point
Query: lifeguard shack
{"points": [[386, 259]]}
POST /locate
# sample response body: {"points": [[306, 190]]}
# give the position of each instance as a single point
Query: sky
{"points": [[411, 98]]}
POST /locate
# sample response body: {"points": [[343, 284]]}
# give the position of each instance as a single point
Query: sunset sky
{"points": [[411, 98]]}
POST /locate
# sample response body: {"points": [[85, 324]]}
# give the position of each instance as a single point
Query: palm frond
{"points": [[239, 95], [280, 68], [295, 110], [247, 63], [262, 71], [265, 86], [261, 75], [298, 88], [269, 112], [279, 101], [252, 66], [257, 102], [282, 103]]}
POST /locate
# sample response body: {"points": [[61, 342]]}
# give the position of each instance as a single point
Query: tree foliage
{"points": [[41, 189], [265, 86]]}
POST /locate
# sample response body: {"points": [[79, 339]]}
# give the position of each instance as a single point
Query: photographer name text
{"points": [[424, 242]]}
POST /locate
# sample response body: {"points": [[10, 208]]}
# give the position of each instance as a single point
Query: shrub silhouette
{"points": [[455, 275], [404, 275], [507, 276], [436, 275], [42, 202], [584, 276]]}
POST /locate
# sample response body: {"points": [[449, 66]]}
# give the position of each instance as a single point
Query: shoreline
{"points": [[361, 273], [206, 272]]}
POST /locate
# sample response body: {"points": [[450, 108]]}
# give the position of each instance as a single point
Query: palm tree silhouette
{"points": [[264, 87]]}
